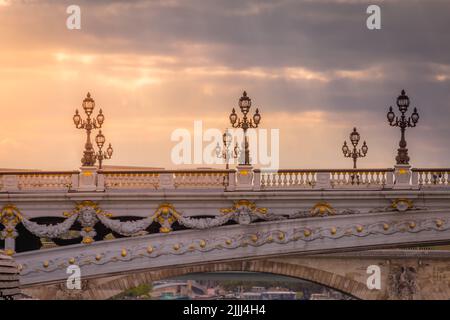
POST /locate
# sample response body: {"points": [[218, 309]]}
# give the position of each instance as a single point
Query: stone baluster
{"points": [[257, 179], [389, 178], [415, 178]]}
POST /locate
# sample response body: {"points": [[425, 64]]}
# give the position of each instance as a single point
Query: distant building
{"points": [[178, 290]]}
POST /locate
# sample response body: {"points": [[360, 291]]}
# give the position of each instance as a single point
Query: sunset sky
{"points": [[311, 67]]}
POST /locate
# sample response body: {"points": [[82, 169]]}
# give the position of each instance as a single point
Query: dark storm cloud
{"points": [[322, 36]]}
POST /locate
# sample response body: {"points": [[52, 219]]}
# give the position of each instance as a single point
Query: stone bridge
{"points": [[137, 223], [405, 274]]}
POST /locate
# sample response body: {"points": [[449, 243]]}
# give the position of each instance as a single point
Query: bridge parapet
{"points": [[24, 181], [431, 177], [89, 179], [329, 179]]}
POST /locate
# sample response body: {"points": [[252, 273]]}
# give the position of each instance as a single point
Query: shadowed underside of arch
{"points": [[108, 287]]}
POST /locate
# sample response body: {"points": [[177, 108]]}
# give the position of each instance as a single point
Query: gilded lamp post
{"points": [[102, 155], [355, 153], [402, 122], [225, 152], [244, 104], [89, 124]]}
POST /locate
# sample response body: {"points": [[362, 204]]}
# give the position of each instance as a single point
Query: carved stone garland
{"points": [[88, 213]]}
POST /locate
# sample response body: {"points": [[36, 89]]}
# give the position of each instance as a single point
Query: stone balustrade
{"points": [[166, 179], [201, 179], [431, 177], [91, 179], [131, 180], [38, 181], [288, 179], [361, 178]]}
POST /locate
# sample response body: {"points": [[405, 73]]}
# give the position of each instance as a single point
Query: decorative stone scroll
{"points": [[400, 205], [246, 212], [322, 209]]}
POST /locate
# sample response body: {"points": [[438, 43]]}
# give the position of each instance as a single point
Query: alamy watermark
{"points": [[374, 279], [74, 279], [373, 21], [73, 21], [200, 146]]}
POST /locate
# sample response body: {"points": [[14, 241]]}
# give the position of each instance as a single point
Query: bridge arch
{"points": [[101, 289]]}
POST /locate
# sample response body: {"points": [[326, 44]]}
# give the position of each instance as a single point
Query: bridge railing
{"points": [[166, 179], [431, 177], [117, 180], [287, 179], [356, 178], [202, 178], [92, 179], [325, 178], [11, 181]]}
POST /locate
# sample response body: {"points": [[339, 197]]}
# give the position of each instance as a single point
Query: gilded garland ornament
{"points": [[245, 212]]}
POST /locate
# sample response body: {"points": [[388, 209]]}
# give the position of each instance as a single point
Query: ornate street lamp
{"points": [[89, 124], [403, 123], [355, 153], [245, 103], [102, 155], [225, 152]]}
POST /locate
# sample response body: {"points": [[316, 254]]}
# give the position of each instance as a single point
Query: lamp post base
{"points": [[402, 174], [244, 177], [402, 157], [87, 179]]}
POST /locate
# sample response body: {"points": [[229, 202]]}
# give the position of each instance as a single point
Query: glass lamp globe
{"points": [[245, 103], [415, 116], [233, 117], [256, 117], [88, 104], [345, 148], [76, 118], [390, 115], [364, 148], [109, 151], [354, 137], [100, 117], [403, 102], [100, 139]]}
